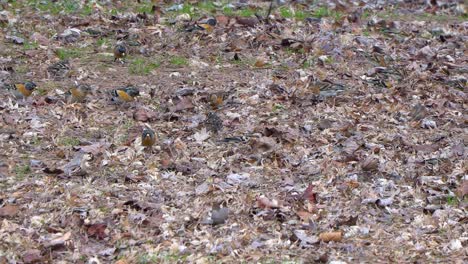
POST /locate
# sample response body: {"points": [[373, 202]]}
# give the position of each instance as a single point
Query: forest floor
{"points": [[339, 136]]}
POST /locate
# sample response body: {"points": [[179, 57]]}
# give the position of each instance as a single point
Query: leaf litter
{"points": [[319, 132]]}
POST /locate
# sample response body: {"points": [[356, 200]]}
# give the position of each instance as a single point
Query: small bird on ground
{"points": [[125, 94], [22, 90], [213, 122], [59, 69], [216, 100], [79, 92], [323, 88], [148, 137], [207, 25], [120, 52]]}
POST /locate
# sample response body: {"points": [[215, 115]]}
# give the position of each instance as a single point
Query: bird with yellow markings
{"points": [[148, 137], [125, 94], [79, 92], [207, 25], [120, 52], [22, 90]]}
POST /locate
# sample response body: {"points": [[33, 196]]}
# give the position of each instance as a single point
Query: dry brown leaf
{"points": [[122, 261], [97, 230], [245, 21], [304, 215], [32, 256], [9, 210], [331, 236], [144, 115], [462, 190], [370, 164], [184, 104], [259, 63], [309, 194]]}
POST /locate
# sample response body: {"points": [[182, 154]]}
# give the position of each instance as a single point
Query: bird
{"points": [[120, 52], [323, 88], [79, 92], [22, 90], [59, 69], [216, 100], [207, 25], [125, 94], [148, 137], [213, 122]]}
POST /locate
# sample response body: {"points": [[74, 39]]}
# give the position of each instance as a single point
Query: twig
{"points": [[269, 12]]}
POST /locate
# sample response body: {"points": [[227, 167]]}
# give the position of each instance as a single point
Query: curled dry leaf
{"points": [[462, 190], [309, 194], [201, 136], [184, 104], [59, 240], [97, 230], [259, 63], [331, 236], [144, 115], [370, 164]]}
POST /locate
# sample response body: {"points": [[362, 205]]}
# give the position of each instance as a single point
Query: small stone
{"points": [[219, 215], [36, 163], [428, 124], [455, 245], [70, 35]]}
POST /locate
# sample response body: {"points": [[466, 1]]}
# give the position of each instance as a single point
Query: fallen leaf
{"points": [[462, 190], [263, 144], [259, 63], [9, 210], [184, 104], [266, 203], [201, 136], [304, 238], [95, 149], [309, 194], [121, 261], [32, 256], [370, 164], [238, 178], [97, 230], [331, 236], [60, 240], [203, 188], [144, 115], [250, 22], [304, 215]]}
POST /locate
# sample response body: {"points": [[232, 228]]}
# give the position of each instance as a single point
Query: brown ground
{"points": [[297, 171]]}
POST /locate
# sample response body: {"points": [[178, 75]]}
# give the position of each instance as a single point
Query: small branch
{"points": [[269, 11]]}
